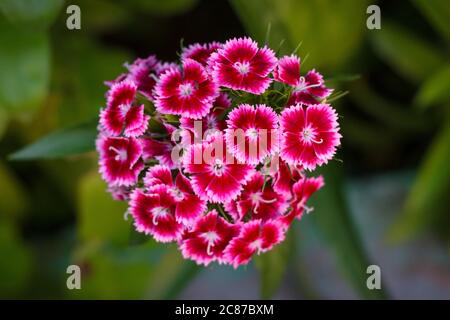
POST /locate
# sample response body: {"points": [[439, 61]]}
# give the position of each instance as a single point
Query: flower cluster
{"points": [[214, 153]]}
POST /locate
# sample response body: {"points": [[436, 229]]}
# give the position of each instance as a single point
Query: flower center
{"points": [[242, 67], [218, 167], [252, 133], [158, 212], [256, 199], [121, 154], [303, 85], [211, 237], [185, 89], [124, 108], [309, 135], [256, 245], [177, 193]]}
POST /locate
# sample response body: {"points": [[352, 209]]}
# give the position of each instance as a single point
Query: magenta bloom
{"points": [[207, 240], [188, 92], [310, 135], [241, 65], [154, 213], [120, 160], [288, 70], [257, 201], [309, 89], [188, 206], [215, 174], [255, 237], [200, 52], [285, 177], [252, 132], [302, 191], [213, 121], [120, 115]]}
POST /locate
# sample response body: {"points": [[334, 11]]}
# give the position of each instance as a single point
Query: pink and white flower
{"points": [[154, 213], [310, 135], [258, 200], [120, 160], [120, 115], [188, 206], [188, 92], [302, 191], [200, 52], [288, 70], [252, 132], [254, 237], [215, 174], [309, 89], [241, 65], [207, 240]]}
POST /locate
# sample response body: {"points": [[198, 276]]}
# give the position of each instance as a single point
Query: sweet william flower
{"points": [[188, 206], [153, 213], [120, 115], [120, 160], [254, 237], [302, 190], [215, 174], [188, 92], [258, 200], [310, 135], [207, 240], [288, 70], [310, 89], [200, 52], [241, 65], [252, 132]]}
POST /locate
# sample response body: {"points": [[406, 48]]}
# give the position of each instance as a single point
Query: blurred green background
{"points": [[387, 196]]}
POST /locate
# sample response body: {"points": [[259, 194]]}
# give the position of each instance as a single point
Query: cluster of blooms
{"points": [[231, 191]]}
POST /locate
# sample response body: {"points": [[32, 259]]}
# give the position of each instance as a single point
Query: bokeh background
{"points": [[387, 196]]}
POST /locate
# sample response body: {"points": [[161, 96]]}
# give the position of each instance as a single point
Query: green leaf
{"points": [[331, 213], [24, 65], [435, 90], [100, 217], [411, 56], [297, 22], [422, 206], [61, 143], [438, 13], [31, 13], [272, 266]]}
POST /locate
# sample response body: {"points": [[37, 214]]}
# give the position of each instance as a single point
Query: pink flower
{"points": [[213, 121], [302, 191], [215, 174], [188, 206], [154, 213], [252, 132], [208, 239], [285, 177], [288, 70], [121, 115], [120, 160], [255, 237], [309, 135], [241, 65], [258, 200], [188, 92], [200, 52], [309, 89]]}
